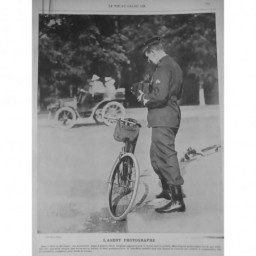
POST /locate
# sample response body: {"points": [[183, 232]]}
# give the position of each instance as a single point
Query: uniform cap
{"points": [[152, 41]]}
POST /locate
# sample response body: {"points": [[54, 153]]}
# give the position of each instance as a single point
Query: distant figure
{"points": [[110, 87], [71, 90], [96, 86], [84, 97], [211, 92]]}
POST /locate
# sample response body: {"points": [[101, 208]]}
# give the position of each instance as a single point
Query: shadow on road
{"points": [[101, 222]]}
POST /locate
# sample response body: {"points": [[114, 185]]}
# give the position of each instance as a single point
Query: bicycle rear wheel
{"points": [[122, 186]]}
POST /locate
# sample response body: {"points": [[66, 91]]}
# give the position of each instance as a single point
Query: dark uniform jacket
{"points": [[163, 110]]}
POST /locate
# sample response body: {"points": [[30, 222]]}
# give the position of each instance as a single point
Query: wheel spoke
{"points": [[123, 187], [113, 110], [65, 118]]}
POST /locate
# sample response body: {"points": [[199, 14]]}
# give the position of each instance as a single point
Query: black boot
{"points": [[165, 191], [177, 203]]}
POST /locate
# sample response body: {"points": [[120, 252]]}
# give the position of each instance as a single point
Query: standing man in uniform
{"points": [[164, 118]]}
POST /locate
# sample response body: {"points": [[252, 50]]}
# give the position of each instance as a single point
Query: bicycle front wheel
{"points": [[122, 186]]}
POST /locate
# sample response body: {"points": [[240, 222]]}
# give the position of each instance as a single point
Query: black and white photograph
{"points": [[129, 129]]}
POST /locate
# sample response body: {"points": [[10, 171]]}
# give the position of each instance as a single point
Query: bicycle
{"points": [[192, 154], [124, 177]]}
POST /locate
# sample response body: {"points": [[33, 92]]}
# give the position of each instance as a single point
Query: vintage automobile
{"points": [[87, 108]]}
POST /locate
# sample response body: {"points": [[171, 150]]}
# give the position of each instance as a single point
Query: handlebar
{"points": [[126, 121], [130, 121]]}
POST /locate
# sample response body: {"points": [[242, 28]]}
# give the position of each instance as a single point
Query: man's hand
{"points": [[141, 94], [141, 98], [145, 101]]}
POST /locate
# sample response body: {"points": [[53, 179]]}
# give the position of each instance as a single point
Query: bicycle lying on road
{"points": [[192, 154], [124, 177]]}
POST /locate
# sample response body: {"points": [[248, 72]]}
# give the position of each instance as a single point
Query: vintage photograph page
{"points": [[128, 127]]}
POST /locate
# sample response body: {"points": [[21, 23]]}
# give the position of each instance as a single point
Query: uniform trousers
{"points": [[163, 156]]}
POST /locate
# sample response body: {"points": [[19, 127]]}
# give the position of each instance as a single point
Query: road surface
{"points": [[73, 167]]}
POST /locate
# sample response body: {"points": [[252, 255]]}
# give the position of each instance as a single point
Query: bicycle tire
{"points": [[122, 191]]}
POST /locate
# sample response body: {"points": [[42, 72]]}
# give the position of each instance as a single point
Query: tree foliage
{"points": [[74, 47]]}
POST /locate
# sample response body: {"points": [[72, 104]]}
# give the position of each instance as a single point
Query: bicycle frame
{"points": [[124, 176]]}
